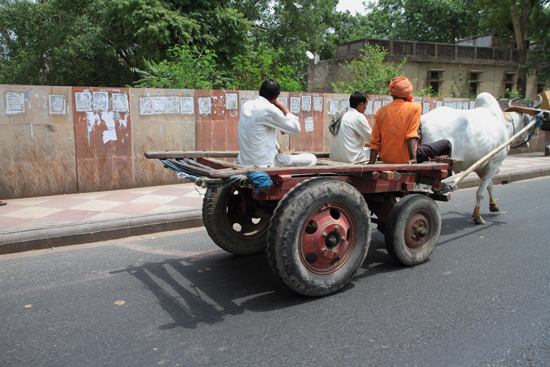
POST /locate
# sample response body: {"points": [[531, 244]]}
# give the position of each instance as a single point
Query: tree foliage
{"points": [[369, 74]]}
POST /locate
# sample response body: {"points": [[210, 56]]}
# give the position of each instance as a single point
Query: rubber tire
{"points": [[397, 222], [288, 221], [214, 216]]}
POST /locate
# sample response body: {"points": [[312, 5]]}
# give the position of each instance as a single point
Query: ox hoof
{"points": [[494, 207], [479, 220]]}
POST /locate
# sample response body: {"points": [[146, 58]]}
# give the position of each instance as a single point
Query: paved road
{"points": [[483, 298]]}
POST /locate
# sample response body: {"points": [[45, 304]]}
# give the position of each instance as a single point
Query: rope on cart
{"points": [[260, 179]]}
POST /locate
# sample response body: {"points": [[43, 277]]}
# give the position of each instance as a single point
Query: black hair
{"points": [[270, 89], [356, 98]]}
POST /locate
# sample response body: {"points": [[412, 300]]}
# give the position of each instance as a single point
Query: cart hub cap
{"points": [[240, 216], [327, 239], [417, 232]]}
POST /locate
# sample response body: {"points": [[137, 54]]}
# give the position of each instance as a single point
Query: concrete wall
{"points": [[60, 140]]}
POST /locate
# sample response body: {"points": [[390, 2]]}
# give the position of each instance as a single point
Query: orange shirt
{"points": [[394, 124]]}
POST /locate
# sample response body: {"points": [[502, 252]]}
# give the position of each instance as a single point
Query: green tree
{"points": [[515, 19], [424, 20], [369, 74]]}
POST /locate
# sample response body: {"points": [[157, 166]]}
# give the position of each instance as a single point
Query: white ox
{"points": [[474, 134]]}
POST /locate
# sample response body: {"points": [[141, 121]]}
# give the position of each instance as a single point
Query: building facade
{"points": [[436, 65]]}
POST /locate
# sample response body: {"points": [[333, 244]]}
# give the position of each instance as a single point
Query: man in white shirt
{"points": [[351, 140], [258, 124]]}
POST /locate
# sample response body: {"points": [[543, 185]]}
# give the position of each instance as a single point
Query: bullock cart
{"points": [[315, 222]]}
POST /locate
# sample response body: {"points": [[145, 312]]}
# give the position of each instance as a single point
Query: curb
{"points": [[74, 234]]}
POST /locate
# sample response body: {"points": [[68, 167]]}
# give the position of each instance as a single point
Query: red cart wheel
{"points": [[319, 236], [413, 229], [229, 217]]}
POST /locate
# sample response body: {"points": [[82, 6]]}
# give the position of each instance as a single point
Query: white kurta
{"points": [[349, 144], [258, 127]]}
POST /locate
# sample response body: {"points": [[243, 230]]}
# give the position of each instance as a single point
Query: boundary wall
{"points": [[61, 140]]}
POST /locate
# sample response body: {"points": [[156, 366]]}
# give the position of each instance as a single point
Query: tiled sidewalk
{"points": [[47, 211]]}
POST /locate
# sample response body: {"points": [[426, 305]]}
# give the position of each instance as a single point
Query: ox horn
{"points": [[539, 103], [510, 102]]}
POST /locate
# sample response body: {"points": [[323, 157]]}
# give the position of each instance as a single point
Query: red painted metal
{"points": [[327, 239], [417, 232]]}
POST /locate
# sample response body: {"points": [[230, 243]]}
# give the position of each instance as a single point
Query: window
{"points": [[435, 78], [540, 88], [510, 80], [509, 88], [474, 80]]}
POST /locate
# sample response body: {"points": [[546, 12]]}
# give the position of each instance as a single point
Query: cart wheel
{"points": [[319, 236], [228, 215], [413, 229]]}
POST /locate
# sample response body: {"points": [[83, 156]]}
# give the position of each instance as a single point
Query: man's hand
{"points": [[280, 105], [412, 161], [290, 152]]}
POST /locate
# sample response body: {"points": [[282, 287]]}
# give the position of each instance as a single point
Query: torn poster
{"points": [[146, 106], [318, 104], [109, 135], [458, 105], [120, 102], [426, 107], [57, 105], [294, 104], [90, 120], [159, 105], [377, 105], [101, 101], [231, 101], [465, 106], [205, 106], [107, 116], [309, 124], [333, 107], [172, 105], [306, 103], [438, 104], [284, 100], [187, 105], [472, 105], [15, 103], [386, 102], [83, 102], [344, 104], [368, 110], [453, 105]]}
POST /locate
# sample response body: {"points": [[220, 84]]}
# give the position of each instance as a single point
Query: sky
{"points": [[351, 5]]}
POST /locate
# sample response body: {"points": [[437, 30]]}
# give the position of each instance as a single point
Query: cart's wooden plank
{"points": [[216, 154]]}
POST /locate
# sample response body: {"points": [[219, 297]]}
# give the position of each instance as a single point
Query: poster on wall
{"points": [[83, 101], [187, 105], [426, 107], [205, 106], [284, 100], [377, 105], [172, 105], [101, 101], [306, 103], [333, 107], [294, 104], [15, 103], [120, 102], [309, 124], [231, 101], [56, 105], [344, 104], [368, 110], [438, 104], [146, 106], [318, 104], [159, 105]]}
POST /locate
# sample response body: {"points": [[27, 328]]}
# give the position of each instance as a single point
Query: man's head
{"points": [[358, 100], [401, 88], [270, 90]]}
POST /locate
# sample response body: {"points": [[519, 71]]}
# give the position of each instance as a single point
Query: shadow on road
{"points": [[208, 287]]}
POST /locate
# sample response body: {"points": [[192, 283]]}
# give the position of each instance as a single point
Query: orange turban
{"points": [[401, 87]]}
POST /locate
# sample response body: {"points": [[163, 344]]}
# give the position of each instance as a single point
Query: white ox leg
{"points": [[493, 206], [486, 181]]}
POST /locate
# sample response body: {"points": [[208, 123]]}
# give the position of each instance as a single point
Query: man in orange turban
{"points": [[395, 130]]}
